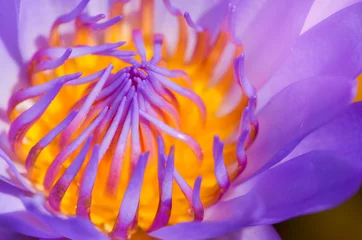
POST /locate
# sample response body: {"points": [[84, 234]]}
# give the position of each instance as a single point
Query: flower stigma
{"points": [[118, 128]]}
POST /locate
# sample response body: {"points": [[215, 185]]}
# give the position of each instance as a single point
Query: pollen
{"points": [[121, 130]]}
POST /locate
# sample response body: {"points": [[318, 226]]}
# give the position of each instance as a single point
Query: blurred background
{"points": [[343, 222]]}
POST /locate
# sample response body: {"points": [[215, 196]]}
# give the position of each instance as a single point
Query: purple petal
{"points": [[213, 18], [195, 9], [310, 183], [10, 69], [96, 7], [11, 174], [9, 14], [35, 22], [266, 232], [6, 234], [268, 30], [323, 9], [14, 216], [293, 114], [332, 48], [72, 227], [342, 135], [167, 24]]}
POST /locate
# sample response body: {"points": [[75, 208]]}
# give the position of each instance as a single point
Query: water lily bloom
{"points": [[175, 119]]}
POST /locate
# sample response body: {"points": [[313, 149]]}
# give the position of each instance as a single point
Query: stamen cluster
{"points": [[129, 109]]}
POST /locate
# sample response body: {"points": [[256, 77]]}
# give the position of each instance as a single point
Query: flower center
{"points": [[132, 142]]}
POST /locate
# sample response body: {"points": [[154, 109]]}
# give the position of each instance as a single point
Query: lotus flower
{"points": [[175, 119]]}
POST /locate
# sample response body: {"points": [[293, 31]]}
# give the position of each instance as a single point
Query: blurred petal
{"points": [[322, 9], [69, 227], [167, 24], [6, 234], [213, 17], [294, 113], [343, 135], [35, 20], [97, 7], [266, 232], [309, 183], [10, 172], [9, 16], [331, 48], [268, 30], [9, 70], [14, 216], [196, 8], [11, 60], [26, 214]]}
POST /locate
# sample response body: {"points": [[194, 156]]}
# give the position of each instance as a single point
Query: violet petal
{"points": [[268, 30], [35, 22], [14, 216], [342, 135], [71, 227], [306, 184], [294, 113], [332, 48]]}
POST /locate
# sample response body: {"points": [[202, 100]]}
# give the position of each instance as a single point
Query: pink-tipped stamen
{"points": [[52, 64], [73, 14], [129, 207], [38, 90], [174, 11], [87, 184], [117, 160], [197, 206], [157, 49], [112, 129], [87, 20], [184, 92], [69, 149], [191, 23], [139, 43], [45, 141], [135, 134], [61, 186], [23, 123], [248, 88], [165, 204], [221, 173], [106, 24], [67, 134], [176, 134]]}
